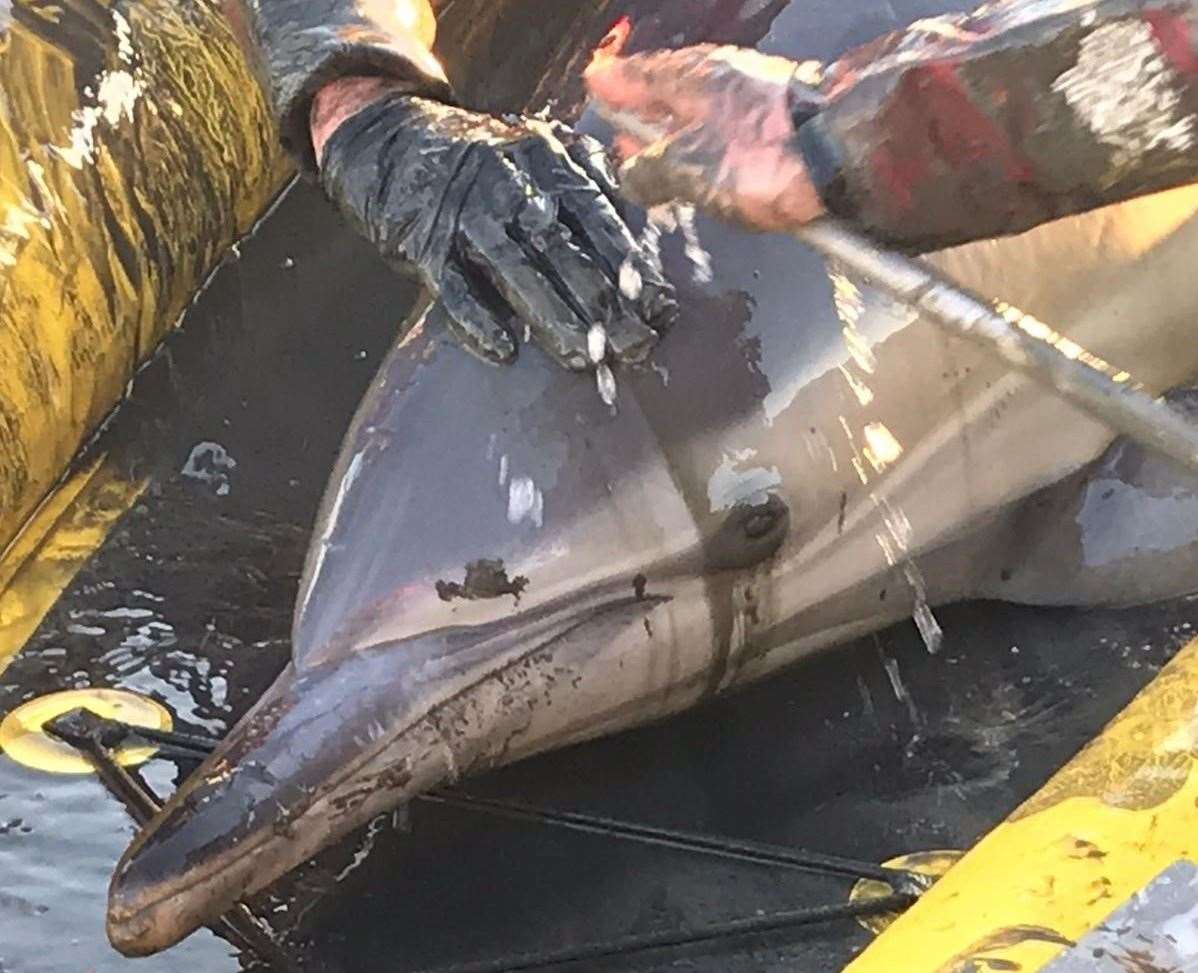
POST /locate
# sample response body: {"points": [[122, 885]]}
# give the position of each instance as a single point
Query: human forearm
{"points": [[302, 46], [972, 127]]}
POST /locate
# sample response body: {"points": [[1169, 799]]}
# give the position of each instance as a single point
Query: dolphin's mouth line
{"points": [[245, 851], [581, 617]]}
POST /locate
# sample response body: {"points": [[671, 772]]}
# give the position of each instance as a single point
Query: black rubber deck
{"points": [[190, 600]]}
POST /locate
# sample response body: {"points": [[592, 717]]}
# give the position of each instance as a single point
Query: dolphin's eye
{"points": [[763, 519], [750, 533], [759, 523]]}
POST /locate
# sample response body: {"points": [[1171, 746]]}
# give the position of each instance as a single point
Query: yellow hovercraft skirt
{"points": [[1116, 817]]}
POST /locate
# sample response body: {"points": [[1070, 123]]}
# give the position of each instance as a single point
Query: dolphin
{"points": [[508, 561]]}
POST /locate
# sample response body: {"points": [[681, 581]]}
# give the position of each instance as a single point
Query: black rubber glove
{"points": [[511, 221]]}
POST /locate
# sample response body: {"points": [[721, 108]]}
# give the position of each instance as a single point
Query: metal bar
{"points": [[1122, 405], [759, 853], [755, 852], [171, 738], [683, 937], [87, 733]]}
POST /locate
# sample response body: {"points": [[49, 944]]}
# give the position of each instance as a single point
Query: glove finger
{"points": [[644, 296], [593, 293], [472, 320], [594, 297], [590, 155], [643, 302], [547, 240], [552, 322]]}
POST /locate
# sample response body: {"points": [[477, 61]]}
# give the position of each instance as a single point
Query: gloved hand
{"points": [[510, 221], [727, 134]]}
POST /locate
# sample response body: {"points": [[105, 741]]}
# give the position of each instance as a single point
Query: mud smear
{"points": [[484, 579]]}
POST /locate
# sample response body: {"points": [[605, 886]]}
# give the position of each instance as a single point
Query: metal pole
{"points": [[1122, 405], [89, 734], [670, 938]]}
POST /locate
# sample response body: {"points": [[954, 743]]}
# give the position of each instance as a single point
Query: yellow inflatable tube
{"points": [[1119, 814], [135, 148]]}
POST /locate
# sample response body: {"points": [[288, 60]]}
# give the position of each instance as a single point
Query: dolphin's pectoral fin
{"points": [[1121, 531]]}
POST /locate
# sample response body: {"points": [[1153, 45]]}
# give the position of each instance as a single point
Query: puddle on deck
{"points": [[190, 600]]}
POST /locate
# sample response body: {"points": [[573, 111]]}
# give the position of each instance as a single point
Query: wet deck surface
{"points": [[190, 601]]}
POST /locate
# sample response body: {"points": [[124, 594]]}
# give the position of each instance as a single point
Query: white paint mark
{"points": [[210, 463], [525, 501], [729, 485], [115, 96]]}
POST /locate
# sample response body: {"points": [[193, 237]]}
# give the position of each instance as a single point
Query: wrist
{"points": [[825, 165], [343, 98]]}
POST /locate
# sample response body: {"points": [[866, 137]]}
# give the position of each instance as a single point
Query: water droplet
{"points": [[524, 501]]}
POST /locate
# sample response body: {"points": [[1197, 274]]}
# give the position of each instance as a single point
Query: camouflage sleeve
{"points": [[977, 126], [300, 45]]}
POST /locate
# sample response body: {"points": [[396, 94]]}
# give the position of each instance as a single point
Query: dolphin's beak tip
{"points": [[143, 918], [132, 931]]}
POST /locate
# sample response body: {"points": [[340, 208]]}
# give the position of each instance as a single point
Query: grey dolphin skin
{"points": [[504, 564]]}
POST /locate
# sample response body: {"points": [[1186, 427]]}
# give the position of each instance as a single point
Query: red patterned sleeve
{"points": [[983, 125]]}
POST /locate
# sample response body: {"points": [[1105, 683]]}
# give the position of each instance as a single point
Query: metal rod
{"points": [[759, 853], [684, 937], [755, 852], [88, 733], [172, 738], [1122, 405]]}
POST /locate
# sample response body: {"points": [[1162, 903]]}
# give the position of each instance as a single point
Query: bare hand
{"points": [[728, 137]]}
